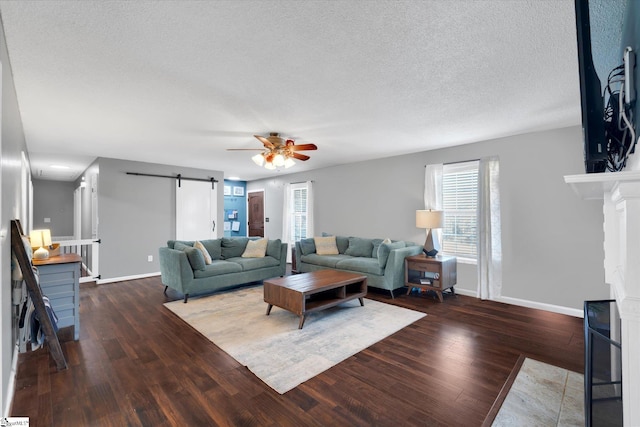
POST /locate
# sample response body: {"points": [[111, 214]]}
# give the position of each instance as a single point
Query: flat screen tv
{"points": [[605, 29], [591, 100]]}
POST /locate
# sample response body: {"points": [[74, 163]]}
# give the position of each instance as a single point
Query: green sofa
{"points": [[183, 267], [382, 263]]}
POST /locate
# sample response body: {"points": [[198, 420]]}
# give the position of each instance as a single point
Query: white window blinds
{"points": [[300, 205], [460, 202]]}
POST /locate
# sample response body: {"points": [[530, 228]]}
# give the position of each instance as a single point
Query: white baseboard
{"points": [[120, 279], [11, 387], [530, 304]]}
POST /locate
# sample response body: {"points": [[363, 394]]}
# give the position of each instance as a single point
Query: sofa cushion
{"points": [[172, 243], [195, 257], [232, 248], [323, 260], [359, 247], [307, 246], [326, 245], [376, 245], [274, 247], [255, 249], [362, 265], [217, 268], [342, 242], [214, 247], [385, 249], [255, 263], [207, 258]]}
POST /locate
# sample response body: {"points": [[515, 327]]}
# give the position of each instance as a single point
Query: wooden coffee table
{"points": [[308, 292]]}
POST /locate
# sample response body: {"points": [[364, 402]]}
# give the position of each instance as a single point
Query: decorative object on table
{"points": [[40, 239], [430, 219], [278, 152]]}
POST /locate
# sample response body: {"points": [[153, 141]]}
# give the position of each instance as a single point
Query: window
{"points": [[299, 209], [460, 202]]}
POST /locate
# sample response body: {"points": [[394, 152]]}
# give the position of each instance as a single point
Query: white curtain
{"points": [[433, 192], [310, 230], [489, 234], [286, 218]]}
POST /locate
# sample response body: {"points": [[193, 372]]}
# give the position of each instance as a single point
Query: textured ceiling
{"points": [[178, 82]]}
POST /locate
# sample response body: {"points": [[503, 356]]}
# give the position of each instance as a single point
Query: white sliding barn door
{"points": [[196, 210]]}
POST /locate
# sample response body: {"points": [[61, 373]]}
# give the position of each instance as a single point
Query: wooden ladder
{"points": [[35, 293]]}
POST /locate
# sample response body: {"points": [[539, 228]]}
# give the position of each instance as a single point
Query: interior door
{"points": [[256, 213], [196, 210]]}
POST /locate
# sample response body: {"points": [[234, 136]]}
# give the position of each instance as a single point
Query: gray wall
{"points": [[12, 145], [551, 239], [53, 200], [136, 214]]}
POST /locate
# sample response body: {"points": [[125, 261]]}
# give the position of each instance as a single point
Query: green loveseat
{"points": [[183, 267], [382, 263]]}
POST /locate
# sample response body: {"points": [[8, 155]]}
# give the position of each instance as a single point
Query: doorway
{"points": [[256, 214]]}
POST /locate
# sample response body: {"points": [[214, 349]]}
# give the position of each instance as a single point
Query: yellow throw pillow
{"points": [[255, 249], [326, 245], [205, 252]]}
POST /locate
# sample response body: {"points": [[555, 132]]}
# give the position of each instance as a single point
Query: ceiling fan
{"points": [[277, 151]]}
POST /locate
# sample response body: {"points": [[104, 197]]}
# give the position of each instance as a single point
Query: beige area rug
{"points": [[273, 347], [543, 395]]}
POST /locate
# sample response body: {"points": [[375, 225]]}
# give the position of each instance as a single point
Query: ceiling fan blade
{"points": [[300, 156], [265, 141], [303, 147]]}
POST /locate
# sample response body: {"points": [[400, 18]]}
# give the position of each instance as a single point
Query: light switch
{"points": [[47, 220]]}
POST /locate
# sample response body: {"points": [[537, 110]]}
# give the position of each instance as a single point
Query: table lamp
{"points": [[430, 219], [40, 239]]}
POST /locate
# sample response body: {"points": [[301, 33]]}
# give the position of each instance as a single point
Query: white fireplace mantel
{"points": [[620, 196]]}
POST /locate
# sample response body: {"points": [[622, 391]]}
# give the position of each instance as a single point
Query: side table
{"points": [[60, 281], [436, 274]]}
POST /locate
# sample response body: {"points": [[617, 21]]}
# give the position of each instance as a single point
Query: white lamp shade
{"points": [[269, 166], [429, 219], [278, 160], [258, 159], [288, 163]]}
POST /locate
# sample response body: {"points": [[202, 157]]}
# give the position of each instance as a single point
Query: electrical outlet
{"points": [[150, 258]]}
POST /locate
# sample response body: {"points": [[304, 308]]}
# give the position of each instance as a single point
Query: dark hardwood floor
{"points": [[138, 364]]}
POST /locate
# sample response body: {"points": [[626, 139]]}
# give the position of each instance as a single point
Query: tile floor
{"points": [[543, 395]]}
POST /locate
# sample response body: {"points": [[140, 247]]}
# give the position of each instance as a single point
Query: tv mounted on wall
{"points": [[591, 100], [608, 31]]}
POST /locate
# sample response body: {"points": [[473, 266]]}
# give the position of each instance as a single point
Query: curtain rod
{"points": [[460, 161], [179, 177]]}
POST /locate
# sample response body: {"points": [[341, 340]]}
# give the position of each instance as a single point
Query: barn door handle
{"points": [[214, 226]]}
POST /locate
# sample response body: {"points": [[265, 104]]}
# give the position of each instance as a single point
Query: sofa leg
{"points": [[391, 291], [186, 296], [165, 290]]}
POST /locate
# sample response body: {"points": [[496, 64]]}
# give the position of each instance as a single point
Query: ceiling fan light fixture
{"points": [[269, 166], [288, 163], [278, 160], [258, 159]]}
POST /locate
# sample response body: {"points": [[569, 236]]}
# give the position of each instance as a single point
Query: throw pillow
{"points": [[195, 257], [376, 245], [326, 245], [255, 249], [359, 247], [214, 247], [274, 247], [384, 251], [233, 247], [205, 253], [307, 246]]}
